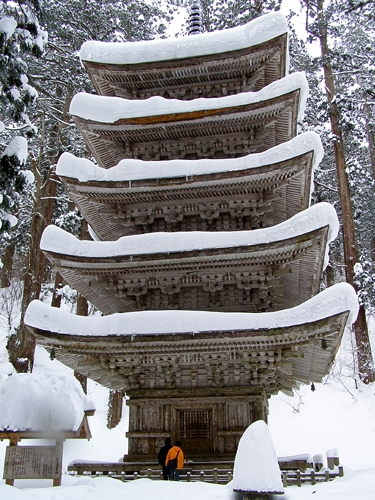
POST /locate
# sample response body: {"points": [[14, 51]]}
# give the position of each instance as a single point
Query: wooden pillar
{"points": [[59, 448], [13, 441]]}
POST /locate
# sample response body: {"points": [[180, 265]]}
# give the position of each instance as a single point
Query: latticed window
{"points": [[195, 424]]}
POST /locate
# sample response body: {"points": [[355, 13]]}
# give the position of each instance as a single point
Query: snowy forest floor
{"points": [[335, 415]]}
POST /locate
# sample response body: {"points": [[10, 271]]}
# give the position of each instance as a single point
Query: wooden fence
{"points": [[221, 476]]}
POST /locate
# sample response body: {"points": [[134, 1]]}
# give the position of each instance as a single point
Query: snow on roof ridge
{"points": [[105, 109], [334, 300], [257, 31], [84, 170], [55, 239]]}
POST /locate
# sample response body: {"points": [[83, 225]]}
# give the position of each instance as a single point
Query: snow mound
{"points": [[256, 468], [47, 403]]}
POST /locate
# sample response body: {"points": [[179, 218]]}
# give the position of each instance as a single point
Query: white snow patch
{"points": [[8, 26], [15, 93], [28, 175], [10, 218], [256, 468], [40, 402], [17, 147]]}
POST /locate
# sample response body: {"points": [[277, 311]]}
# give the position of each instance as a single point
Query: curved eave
{"points": [[257, 339], [265, 269], [119, 208], [244, 69], [291, 269], [296, 350], [243, 130]]}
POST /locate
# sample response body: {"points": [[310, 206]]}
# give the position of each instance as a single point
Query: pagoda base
{"points": [[208, 426]]}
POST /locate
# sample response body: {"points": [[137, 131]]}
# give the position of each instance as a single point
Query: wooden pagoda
{"points": [[209, 255]]}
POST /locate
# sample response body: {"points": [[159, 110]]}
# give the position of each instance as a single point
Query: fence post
{"points": [[135, 475], [229, 476], [299, 478], [326, 475], [123, 476], [148, 473], [215, 476], [285, 482], [188, 477], [202, 476], [312, 473], [341, 471]]}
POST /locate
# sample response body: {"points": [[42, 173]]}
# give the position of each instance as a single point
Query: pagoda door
{"points": [[195, 430]]}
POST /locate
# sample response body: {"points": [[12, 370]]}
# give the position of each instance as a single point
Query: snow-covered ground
{"points": [[335, 415]]}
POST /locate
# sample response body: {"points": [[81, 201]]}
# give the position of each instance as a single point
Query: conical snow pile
{"points": [[256, 469]]}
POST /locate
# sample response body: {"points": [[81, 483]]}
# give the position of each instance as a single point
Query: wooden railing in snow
{"points": [[215, 475]]}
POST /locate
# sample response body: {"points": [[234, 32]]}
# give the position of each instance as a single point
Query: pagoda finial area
{"points": [[195, 21]]}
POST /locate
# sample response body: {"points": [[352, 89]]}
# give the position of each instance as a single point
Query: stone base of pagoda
{"points": [[209, 426]]}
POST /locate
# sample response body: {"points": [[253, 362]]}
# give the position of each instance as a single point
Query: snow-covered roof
{"points": [[104, 109], [129, 170], [334, 300], [255, 32], [59, 241], [44, 403]]}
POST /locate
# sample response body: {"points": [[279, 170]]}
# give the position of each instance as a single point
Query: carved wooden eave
{"points": [[213, 75], [245, 199], [231, 362], [249, 278], [240, 59], [229, 131]]}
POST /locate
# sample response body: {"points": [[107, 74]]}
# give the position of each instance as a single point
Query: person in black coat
{"points": [[162, 455]]}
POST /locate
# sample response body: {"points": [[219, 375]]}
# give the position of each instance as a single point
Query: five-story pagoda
{"points": [[208, 260]]}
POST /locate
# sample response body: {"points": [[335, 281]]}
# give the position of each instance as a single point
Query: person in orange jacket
{"points": [[175, 461]]}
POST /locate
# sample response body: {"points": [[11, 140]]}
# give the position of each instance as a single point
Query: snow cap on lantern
{"points": [[256, 468]]}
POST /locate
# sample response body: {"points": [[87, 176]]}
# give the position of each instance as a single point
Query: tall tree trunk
{"points": [[364, 355], [82, 305], [21, 345], [56, 296], [7, 269], [369, 133]]}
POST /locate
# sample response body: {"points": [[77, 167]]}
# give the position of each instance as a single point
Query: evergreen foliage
{"points": [[20, 35]]}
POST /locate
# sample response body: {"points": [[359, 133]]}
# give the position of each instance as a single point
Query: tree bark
{"points": [[7, 269], [114, 414], [364, 355], [21, 345], [370, 134], [82, 305], [56, 296]]}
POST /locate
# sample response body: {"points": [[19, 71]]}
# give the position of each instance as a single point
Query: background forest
{"points": [[40, 72]]}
